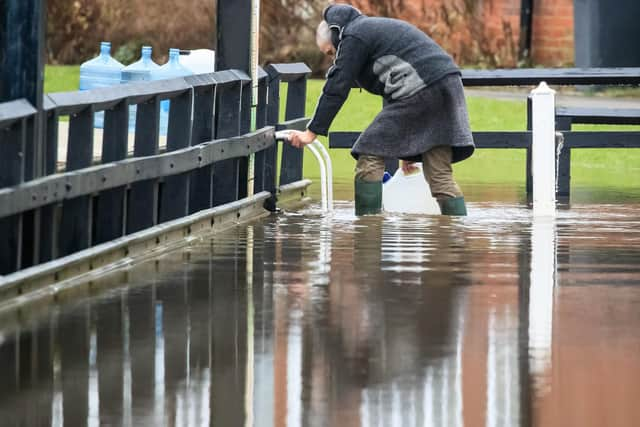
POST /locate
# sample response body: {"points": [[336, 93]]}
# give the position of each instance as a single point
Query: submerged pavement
{"points": [[303, 319]]}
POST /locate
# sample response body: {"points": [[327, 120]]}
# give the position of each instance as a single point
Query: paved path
{"points": [[63, 138]]}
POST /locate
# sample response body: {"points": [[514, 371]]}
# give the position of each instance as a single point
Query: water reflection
{"points": [[541, 291], [375, 321]]}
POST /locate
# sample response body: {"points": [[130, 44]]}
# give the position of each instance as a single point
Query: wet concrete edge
{"points": [[99, 268], [129, 249]]}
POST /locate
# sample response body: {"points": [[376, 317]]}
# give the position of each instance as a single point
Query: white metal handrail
{"points": [[323, 177], [329, 177], [326, 169]]}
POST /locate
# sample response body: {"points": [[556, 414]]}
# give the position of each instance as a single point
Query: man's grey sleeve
{"points": [[350, 58]]}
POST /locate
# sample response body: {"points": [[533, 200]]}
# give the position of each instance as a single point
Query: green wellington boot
{"points": [[453, 206], [368, 197]]}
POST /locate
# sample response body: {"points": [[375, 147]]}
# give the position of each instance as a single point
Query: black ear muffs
{"points": [[335, 37]]}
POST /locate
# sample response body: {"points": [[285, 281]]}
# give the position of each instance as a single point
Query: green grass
{"points": [[601, 168], [61, 78], [619, 168], [485, 114]]}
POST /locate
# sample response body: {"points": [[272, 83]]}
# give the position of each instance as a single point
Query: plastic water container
{"points": [[171, 70], [101, 71], [199, 61], [137, 72], [409, 194]]}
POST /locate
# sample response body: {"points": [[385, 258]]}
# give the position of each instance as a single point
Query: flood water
{"points": [[300, 319]]}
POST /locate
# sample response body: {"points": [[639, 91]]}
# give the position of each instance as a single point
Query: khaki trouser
{"points": [[436, 165]]}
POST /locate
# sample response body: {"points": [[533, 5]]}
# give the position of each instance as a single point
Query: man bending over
{"points": [[424, 117]]}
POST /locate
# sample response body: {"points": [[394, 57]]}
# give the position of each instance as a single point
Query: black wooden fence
{"points": [[564, 118], [48, 211]]}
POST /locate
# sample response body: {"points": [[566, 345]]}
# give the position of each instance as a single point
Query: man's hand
{"points": [[300, 139], [408, 167]]}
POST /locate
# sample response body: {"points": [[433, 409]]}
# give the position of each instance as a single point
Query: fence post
{"points": [[142, 204], [32, 170], [245, 127], [296, 77], [261, 121], [175, 190], [225, 173], [528, 173], [48, 224], [234, 52], [111, 203], [564, 161], [22, 35], [234, 35], [75, 225], [543, 150], [261, 109], [292, 158], [201, 179], [13, 134], [271, 153]]}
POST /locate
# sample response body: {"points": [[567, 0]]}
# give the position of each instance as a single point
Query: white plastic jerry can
{"points": [[199, 61], [409, 194]]}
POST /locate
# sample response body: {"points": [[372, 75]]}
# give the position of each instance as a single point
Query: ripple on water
{"points": [[379, 320]]}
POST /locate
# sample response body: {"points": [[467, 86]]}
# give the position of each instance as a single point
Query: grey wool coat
{"points": [[420, 83]]}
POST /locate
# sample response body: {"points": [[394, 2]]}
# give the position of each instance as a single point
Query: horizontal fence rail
{"points": [[583, 139], [523, 140], [482, 139], [565, 117], [52, 207], [85, 182], [561, 77], [605, 116]]}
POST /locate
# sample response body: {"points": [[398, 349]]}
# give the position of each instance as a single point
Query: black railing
{"points": [[48, 211], [523, 139]]}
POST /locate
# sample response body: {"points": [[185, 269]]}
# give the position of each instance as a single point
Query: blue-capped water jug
{"points": [[101, 71], [137, 72], [171, 70]]}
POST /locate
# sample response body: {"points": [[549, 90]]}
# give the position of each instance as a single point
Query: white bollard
{"points": [[543, 150]]}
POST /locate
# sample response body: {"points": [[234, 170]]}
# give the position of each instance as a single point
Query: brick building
{"points": [[487, 32], [552, 36]]}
